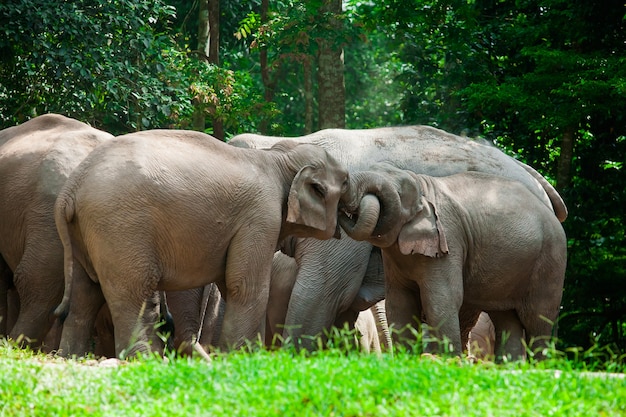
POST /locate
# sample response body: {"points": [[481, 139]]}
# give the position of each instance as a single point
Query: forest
{"points": [[545, 81]]}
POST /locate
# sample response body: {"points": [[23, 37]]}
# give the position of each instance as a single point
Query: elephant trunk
{"points": [[363, 227], [372, 206], [380, 314]]}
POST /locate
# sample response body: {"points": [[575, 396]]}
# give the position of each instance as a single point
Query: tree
{"points": [[301, 55], [106, 62], [208, 52], [543, 80], [331, 88]]}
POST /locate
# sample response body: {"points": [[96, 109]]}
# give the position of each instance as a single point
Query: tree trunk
{"points": [[564, 174], [208, 51], [198, 121], [331, 87], [308, 96], [214, 32], [268, 84], [203, 29], [214, 57]]}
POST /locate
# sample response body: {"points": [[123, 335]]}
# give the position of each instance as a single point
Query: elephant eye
{"points": [[319, 189]]}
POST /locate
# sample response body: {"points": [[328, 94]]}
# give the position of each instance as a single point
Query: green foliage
{"points": [[113, 64], [594, 302], [101, 60], [522, 74]]}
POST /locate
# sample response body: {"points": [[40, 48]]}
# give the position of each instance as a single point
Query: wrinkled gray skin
{"points": [[198, 317], [36, 158], [50, 341], [370, 322], [170, 210], [197, 314], [466, 243], [333, 275]]}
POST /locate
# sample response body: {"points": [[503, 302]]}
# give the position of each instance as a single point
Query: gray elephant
{"points": [[370, 323], [36, 158], [465, 243], [196, 315], [169, 210], [335, 275]]}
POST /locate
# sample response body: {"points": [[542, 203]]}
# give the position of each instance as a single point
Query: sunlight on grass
{"points": [[283, 382]]}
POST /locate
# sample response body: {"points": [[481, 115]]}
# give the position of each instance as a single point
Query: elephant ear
{"points": [[305, 204], [424, 234]]}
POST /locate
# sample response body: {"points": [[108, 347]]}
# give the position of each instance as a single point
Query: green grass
{"points": [[284, 383]]}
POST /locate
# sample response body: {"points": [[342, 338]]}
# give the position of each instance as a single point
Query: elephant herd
{"points": [[104, 238]]}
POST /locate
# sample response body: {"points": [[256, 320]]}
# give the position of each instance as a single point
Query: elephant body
{"points": [[370, 323], [197, 316], [174, 210], [335, 275], [36, 158], [467, 243]]}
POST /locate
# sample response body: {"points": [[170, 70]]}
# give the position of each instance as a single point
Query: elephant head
{"points": [[392, 206], [316, 189]]}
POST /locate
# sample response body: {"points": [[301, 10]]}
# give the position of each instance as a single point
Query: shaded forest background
{"points": [[543, 80]]}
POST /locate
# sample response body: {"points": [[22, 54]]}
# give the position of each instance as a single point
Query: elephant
{"points": [[464, 243], [170, 210], [372, 331], [334, 275], [196, 314], [50, 341], [36, 157], [482, 338], [370, 323]]}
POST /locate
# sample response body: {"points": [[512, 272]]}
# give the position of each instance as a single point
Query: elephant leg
{"points": [[187, 309], [53, 338], [6, 279], [538, 325], [283, 278], [213, 316], [369, 340], [441, 311], [404, 313], [105, 340], [509, 334], [13, 308], [247, 285], [39, 283], [134, 322], [85, 302], [468, 317]]}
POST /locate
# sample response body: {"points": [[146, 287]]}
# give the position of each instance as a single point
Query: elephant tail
{"points": [[64, 210], [558, 205]]}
